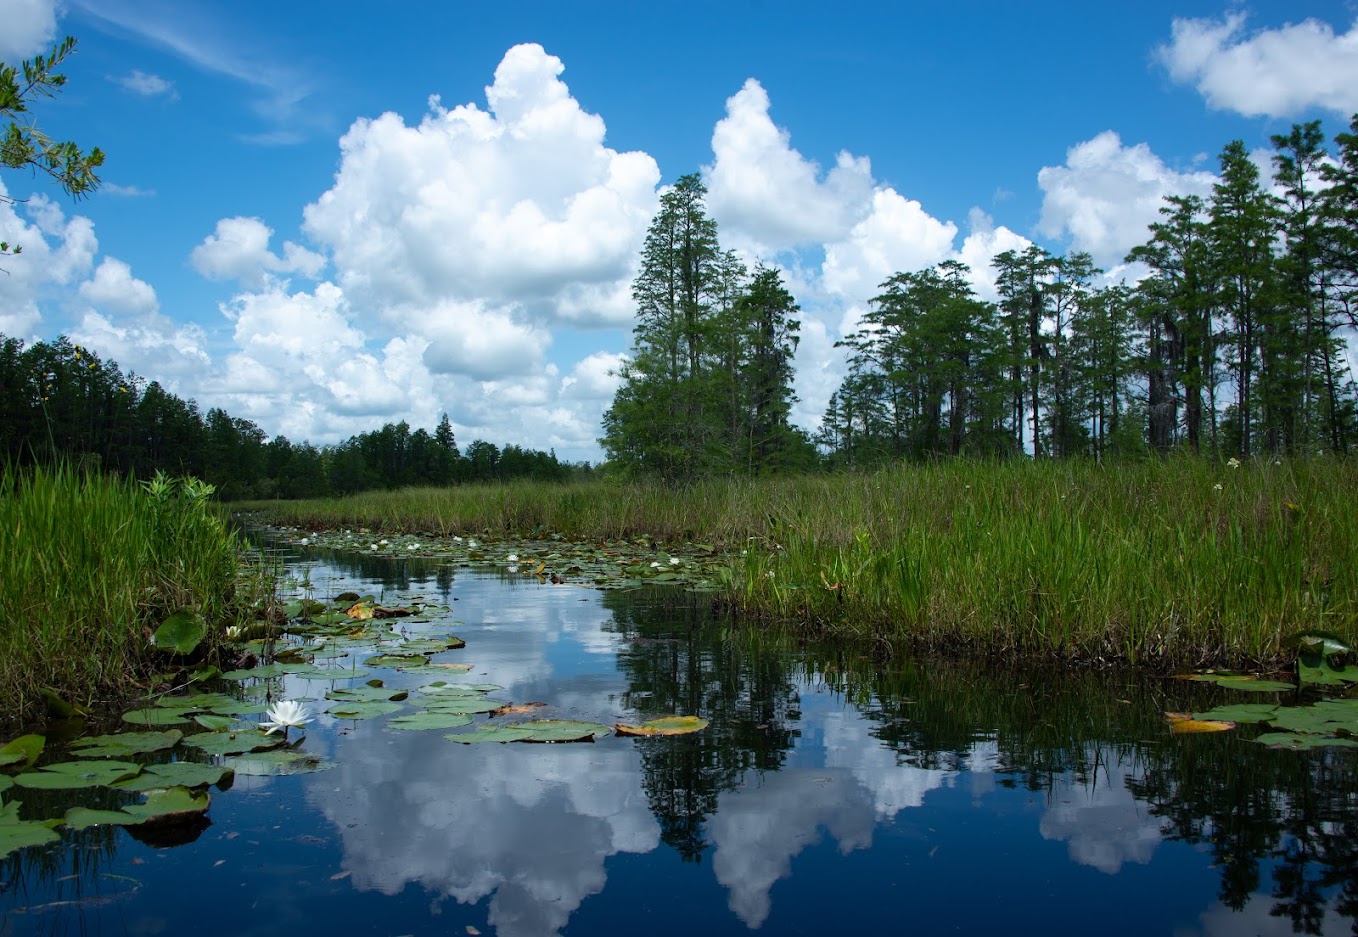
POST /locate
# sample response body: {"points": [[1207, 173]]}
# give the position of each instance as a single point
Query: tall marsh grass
{"points": [[89, 566], [1184, 561]]}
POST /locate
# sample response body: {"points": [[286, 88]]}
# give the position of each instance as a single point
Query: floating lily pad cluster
{"points": [[174, 792], [1317, 724], [612, 564]]}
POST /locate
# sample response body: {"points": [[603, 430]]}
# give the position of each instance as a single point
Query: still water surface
{"points": [[829, 795]]}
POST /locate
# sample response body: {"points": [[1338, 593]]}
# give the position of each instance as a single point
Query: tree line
{"points": [[60, 401], [1233, 346]]}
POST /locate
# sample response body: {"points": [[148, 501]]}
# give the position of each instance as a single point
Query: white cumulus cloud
{"points": [[1269, 72], [30, 27], [239, 250], [147, 85], [1107, 195]]}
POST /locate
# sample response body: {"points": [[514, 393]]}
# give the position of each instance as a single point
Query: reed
{"points": [[89, 566], [1180, 561]]}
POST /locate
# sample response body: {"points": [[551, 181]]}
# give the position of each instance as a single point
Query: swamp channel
{"points": [[829, 792]]}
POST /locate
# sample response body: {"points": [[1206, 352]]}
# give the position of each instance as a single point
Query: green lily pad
{"points": [[1252, 683], [6, 782], [73, 775], [215, 723], [194, 702], [368, 694], [430, 719], [1319, 642], [363, 710], [233, 743], [540, 730], [1297, 741], [266, 671], [1319, 670], [277, 763], [181, 632], [16, 834], [170, 805], [155, 716], [23, 750], [177, 774], [462, 704], [432, 645], [1240, 712], [127, 743], [397, 660], [80, 818]]}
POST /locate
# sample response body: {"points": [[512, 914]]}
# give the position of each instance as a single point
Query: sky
{"points": [[324, 217]]}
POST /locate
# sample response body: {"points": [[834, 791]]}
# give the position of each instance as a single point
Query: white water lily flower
{"points": [[655, 565], [284, 715], [512, 558], [234, 632], [304, 541], [472, 544], [512, 569], [674, 561], [383, 542], [456, 539]]}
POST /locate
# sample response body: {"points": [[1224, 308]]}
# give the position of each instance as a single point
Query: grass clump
{"points": [[89, 567], [1168, 562]]}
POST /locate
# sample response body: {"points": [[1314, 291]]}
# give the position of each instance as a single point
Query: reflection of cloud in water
{"points": [[530, 826], [850, 744], [1103, 823], [757, 831]]}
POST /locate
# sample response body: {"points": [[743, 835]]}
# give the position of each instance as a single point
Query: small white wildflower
{"points": [[1217, 486], [304, 541], [674, 561], [513, 557], [1233, 462], [769, 574], [372, 546], [456, 539], [472, 544], [382, 542]]}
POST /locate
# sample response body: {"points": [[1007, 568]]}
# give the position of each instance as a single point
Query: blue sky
{"points": [[327, 216]]}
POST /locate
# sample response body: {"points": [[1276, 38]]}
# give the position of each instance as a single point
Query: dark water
{"points": [[830, 795]]}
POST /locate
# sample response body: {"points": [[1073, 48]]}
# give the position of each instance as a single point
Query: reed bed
{"points": [[89, 566], [1176, 562]]}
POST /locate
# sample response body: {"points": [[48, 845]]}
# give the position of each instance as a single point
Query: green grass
{"points": [[89, 567], [1146, 562]]}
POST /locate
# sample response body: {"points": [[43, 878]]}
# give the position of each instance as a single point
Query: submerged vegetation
{"points": [[91, 568], [1157, 562]]}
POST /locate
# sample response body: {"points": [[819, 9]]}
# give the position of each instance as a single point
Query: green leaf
{"points": [[1240, 712], [126, 743], [169, 806], [368, 694], [181, 632], [80, 818], [23, 750], [458, 703], [156, 716], [363, 710], [397, 660], [430, 719], [73, 775], [1299, 742], [20, 834], [177, 773], [541, 730], [233, 743], [1321, 642], [275, 763], [215, 723]]}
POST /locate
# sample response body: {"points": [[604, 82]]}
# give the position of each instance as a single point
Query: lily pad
{"points": [[1297, 741], [233, 743], [459, 703], [1184, 724], [181, 632], [397, 660], [368, 694], [541, 730], [1240, 712], [195, 702], [669, 725], [127, 743], [1239, 681], [277, 763], [155, 716], [363, 710], [171, 805], [430, 719], [432, 645], [16, 834], [23, 750], [80, 818], [73, 775], [178, 774], [214, 723]]}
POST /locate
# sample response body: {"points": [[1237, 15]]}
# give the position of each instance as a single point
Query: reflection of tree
{"points": [[678, 661]]}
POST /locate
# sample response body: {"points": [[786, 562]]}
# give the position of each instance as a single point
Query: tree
{"points": [[25, 145]]}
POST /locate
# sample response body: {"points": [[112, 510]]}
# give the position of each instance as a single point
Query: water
{"points": [[831, 794]]}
